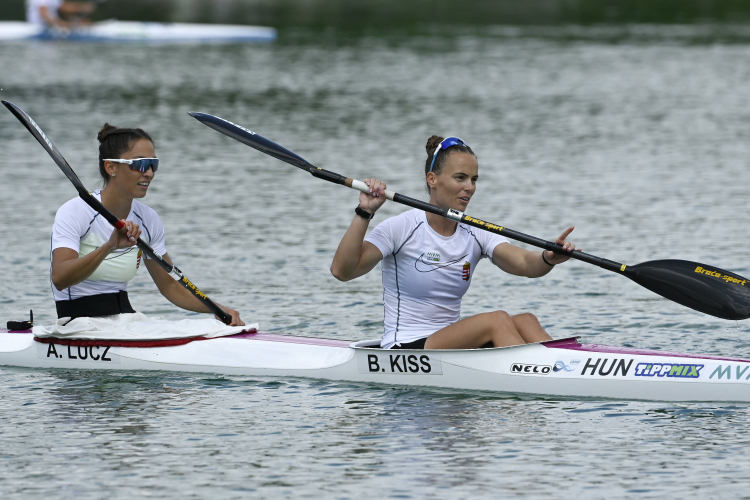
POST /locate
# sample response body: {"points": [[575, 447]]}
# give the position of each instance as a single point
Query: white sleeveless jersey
{"points": [[425, 275], [80, 228], [32, 10]]}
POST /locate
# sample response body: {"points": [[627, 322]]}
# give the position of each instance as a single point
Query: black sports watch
{"points": [[363, 213]]}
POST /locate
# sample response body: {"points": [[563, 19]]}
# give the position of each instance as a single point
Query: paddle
{"points": [[704, 288], [172, 270]]}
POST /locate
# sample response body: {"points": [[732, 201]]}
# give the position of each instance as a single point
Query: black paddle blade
{"points": [[704, 288], [40, 136], [252, 139]]}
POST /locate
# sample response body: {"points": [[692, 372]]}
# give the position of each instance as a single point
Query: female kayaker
{"points": [[428, 261], [47, 13], [91, 261]]}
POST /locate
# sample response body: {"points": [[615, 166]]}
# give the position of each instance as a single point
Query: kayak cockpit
{"points": [[566, 343]]}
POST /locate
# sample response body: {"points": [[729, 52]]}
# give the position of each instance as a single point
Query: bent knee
{"points": [[500, 317], [526, 317]]}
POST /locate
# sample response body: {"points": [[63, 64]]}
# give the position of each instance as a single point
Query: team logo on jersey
{"points": [[430, 261], [466, 273], [138, 262]]}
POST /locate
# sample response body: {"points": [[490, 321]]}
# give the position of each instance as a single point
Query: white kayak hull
{"points": [[561, 368], [131, 31]]}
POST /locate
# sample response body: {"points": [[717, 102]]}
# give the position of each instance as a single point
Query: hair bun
{"points": [[433, 142], [105, 132]]}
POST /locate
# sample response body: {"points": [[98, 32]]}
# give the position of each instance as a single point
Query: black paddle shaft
{"points": [[87, 197], [704, 288], [270, 148]]}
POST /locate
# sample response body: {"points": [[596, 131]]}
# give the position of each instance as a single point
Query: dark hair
{"points": [[432, 143], [114, 141]]}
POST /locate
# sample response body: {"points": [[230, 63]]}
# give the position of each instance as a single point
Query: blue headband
{"points": [[445, 144]]}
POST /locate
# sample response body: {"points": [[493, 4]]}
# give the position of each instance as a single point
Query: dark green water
{"points": [[414, 14], [638, 135]]}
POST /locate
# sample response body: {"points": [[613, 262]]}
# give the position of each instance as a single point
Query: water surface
{"points": [[639, 139]]}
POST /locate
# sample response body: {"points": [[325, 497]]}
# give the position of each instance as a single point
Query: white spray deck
{"points": [[556, 368]]}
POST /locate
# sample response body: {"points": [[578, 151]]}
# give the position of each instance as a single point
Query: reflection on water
{"points": [[637, 138], [192, 435]]}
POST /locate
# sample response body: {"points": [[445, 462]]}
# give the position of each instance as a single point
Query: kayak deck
{"points": [[573, 344], [558, 368], [271, 337]]}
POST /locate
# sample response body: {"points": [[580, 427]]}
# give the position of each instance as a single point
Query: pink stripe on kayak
{"points": [[573, 345], [270, 337]]}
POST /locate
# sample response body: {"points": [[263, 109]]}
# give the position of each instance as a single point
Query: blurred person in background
{"points": [[48, 13]]}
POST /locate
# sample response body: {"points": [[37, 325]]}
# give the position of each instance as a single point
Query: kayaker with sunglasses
{"points": [[428, 261], [92, 262]]}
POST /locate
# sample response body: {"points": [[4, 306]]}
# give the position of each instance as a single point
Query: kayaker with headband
{"points": [[428, 261], [91, 261]]}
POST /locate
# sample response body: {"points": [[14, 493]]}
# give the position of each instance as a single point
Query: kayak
{"points": [[556, 368], [132, 31]]}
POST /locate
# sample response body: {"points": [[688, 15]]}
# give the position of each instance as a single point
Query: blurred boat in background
{"points": [[140, 32]]}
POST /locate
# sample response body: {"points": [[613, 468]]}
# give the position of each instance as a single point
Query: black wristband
{"points": [[545, 260], [363, 213]]}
